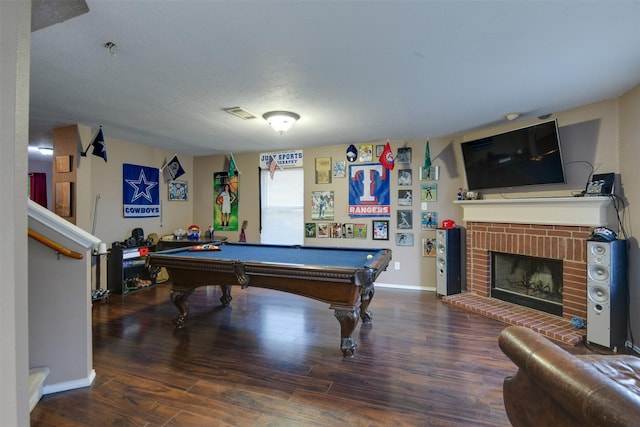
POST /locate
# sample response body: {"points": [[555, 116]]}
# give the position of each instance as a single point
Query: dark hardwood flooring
{"points": [[273, 359]]}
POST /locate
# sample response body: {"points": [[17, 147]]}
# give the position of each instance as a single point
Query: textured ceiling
{"points": [[355, 71]]}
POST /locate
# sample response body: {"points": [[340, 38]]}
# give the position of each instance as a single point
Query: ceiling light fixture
{"points": [[47, 151], [281, 121], [512, 116]]}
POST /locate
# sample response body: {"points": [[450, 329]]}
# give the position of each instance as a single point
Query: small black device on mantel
{"points": [[600, 185]]}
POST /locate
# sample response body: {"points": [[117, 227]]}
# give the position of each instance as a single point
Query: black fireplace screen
{"points": [[529, 281]]}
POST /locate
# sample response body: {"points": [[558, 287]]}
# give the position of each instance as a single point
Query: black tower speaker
{"points": [[607, 293], [449, 258]]}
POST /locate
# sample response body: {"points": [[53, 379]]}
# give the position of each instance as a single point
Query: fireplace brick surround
{"points": [[555, 228]]}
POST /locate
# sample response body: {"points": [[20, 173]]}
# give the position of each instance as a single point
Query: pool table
{"points": [[341, 277]]}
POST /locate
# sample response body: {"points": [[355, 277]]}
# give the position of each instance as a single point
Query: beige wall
{"points": [[105, 180], [415, 271], [629, 154], [15, 20]]}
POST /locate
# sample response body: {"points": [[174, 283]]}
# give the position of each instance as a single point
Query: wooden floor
{"points": [[273, 359]]}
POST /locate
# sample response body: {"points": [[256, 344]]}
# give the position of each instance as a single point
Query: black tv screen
{"points": [[526, 156]]}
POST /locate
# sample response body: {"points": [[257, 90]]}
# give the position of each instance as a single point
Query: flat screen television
{"points": [[521, 157]]}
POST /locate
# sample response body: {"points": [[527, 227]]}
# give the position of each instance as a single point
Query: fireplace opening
{"points": [[528, 281]]}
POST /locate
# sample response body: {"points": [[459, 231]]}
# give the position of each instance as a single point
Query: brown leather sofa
{"points": [[555, 388]]}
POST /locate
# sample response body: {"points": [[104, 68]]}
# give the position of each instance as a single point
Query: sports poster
{"points": [[225, 201], [369, 190], [140, 191]]}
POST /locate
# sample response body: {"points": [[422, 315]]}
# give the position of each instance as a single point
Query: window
{"points": [[282, 207]]}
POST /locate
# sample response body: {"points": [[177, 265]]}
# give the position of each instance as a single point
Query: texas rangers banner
{"points": [[140, 190], [369, 190]]}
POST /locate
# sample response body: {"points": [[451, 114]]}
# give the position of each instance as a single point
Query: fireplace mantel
{"points": [[595, 211]]}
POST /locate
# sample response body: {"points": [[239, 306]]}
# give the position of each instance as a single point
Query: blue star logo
{"points": [[141, 187]]}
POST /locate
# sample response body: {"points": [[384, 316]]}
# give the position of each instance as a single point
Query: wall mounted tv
{"points": [[521, 157]]}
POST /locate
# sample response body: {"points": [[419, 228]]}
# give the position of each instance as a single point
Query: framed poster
{"points": [[178, 190], [347, 230], [430, 174], [405, 219], [379, 150], [335, 230], [405, 177], [323, 170], [380, 229], [404, 155], [322, 205], [429, 247], [429, 220], [365, 152], [310, 229], [360, 230], [405, 197], [340, 169], [404, 239], [323, 229], [429, 192]]}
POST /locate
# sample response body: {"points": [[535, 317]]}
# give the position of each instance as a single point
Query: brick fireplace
{"points": [[566, 243], [553, 228]]}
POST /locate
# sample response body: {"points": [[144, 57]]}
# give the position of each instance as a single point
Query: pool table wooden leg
{"points": [[179, 299], [348, 319], [226, 297], [366, 295]]}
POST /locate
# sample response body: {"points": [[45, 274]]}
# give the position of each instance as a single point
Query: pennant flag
{"points": [[427, 157], [99, 149], [173, 169], [386, 157], [232, 167], [273, 165]]}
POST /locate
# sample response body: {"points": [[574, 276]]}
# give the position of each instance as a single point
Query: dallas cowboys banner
{"points": [[369, 190], [140, 190]]}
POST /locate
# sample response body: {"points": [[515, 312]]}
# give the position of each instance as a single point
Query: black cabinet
{"points": [[127, 269]]}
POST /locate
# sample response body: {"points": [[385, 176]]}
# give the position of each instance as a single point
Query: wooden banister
{"points": [[55, 246]]}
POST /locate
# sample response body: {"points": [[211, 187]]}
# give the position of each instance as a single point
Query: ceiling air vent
{"points": [[239, 112]]}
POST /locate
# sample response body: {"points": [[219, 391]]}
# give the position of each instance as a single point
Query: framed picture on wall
{"points": [[404, 155], [405, 177], [404, 239], [347, 230], [310, 229], [323, 229], [405, 197], [405, 219], [360, 230], [380, 229], [178, 190], [429, 247]]}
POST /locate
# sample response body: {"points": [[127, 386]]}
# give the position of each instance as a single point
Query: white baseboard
{"points": [[408, 287], [37, 376], [70, 385]]}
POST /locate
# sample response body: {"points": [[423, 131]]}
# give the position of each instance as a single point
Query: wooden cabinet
{"points": [[127, 269]]}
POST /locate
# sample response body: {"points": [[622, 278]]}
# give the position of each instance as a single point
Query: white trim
{"points": [[594, 211], [60, 225], [407, 287], [70, 385]]}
